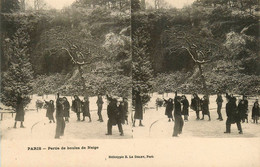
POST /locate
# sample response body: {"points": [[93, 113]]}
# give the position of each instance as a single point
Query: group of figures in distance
{"points": [[126, 46]]}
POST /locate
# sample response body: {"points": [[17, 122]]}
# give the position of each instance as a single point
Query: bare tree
{"points": [[82, 52], [197, 55]]}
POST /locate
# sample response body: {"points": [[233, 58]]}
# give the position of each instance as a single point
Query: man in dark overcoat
{"points": [[219, 102], [113, 116], [60, 123], [100, 105], [85, 109], [232, 114], [178, 124]]}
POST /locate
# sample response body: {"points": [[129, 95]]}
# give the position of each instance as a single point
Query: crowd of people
{"points": [[235, 112], [117, 112]]}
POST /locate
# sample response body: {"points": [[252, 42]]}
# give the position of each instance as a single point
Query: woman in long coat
{"points": [[66, 106], [195, 105], [242, 110], [50, 110], [19, 112], [169, 109], [76, 106], [185, 107], [255, 112], [122, 112], [85, 109], [138, 109], [205, 107]]}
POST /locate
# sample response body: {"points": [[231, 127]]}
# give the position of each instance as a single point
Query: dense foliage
{"points": [[227, 34], [16, 82]]}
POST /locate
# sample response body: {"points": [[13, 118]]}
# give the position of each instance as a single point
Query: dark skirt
{"points": [[49, 114], [168, 113], [138, 114], [205, 110], [138, 111], [19, 116], [185, 111], [86, 113], [66, 113]]}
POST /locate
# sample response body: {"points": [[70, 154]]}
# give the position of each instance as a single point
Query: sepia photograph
{"points": [[130, 83]]}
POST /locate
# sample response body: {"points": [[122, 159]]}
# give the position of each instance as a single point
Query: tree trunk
{"points": [[203, 80], [82, 80]]}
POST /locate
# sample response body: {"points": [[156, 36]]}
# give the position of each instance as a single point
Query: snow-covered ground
{"points": [[38, 126], [202, 143], [157, 125]]}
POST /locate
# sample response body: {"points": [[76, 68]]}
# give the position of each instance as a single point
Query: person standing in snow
{"points": [[66, 105], [100, 105], [219, 102], [76, 106], [50, 110], [205, 107], [85, 109], [255, 112], [60, 123], [178, 124], [169, 109], [185, 107], [232, 114]]}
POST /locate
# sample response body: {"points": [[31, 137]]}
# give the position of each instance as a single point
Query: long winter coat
{"points": [[122, 113], [112, 112], [85, 108], [255, 111], [169, 108], [185, 108], [242, 109], [231, 110], [19, 110], [50, 110], [59, 108], [66, 106], [138, 108], [205, 106], [195, 104], [177, 107], [76, 105]]}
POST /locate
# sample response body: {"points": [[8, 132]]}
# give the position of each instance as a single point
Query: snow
{"points": [[157, 125], [38, 126], [202, 143]]}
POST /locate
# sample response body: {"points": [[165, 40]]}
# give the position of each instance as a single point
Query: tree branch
{"points": [[192, 56], [72, 58]]}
